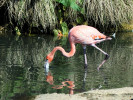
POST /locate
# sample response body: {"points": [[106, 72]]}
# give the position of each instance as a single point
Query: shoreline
{"points": [[125, 93]]}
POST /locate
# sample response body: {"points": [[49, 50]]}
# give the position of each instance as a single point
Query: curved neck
{"points": [[67, 54]]}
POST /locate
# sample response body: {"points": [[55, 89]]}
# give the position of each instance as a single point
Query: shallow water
{"points": [[22, 73]]}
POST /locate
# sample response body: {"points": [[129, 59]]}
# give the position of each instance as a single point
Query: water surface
{"points": [[22, 73]]}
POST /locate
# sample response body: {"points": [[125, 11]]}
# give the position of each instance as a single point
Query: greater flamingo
{"points": [[85, 35]]}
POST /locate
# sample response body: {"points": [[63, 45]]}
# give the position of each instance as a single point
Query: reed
{"points": [[33, 12], [46, 13], [105, 12], [2, 2]]}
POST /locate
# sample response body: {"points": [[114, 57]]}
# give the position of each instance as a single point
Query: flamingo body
{"points": [[85, 35]]}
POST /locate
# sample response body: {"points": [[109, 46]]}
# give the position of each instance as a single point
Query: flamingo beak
{"points": [[46, 66], [108, 38]]}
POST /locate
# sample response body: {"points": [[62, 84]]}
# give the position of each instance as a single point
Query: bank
{"points": [[125, 93]]}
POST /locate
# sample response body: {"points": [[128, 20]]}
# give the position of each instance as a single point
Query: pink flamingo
{"points": [[85, 35]]}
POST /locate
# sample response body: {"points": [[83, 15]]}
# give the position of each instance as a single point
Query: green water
{"points": [[22, 59]]}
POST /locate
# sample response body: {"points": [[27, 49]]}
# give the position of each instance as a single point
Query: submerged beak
{"points": [[46, 66]]}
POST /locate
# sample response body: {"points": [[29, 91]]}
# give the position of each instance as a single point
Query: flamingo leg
{"points": [[106, 56], [85, 57]]}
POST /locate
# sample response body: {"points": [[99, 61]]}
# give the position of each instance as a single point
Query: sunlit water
{"points": [[22, 73]]}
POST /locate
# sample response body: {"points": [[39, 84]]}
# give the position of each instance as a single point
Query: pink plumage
{"points": [[85, 35]]}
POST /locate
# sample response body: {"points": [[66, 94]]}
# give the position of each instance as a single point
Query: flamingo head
{"points": [[49, 58], [46, 65]]}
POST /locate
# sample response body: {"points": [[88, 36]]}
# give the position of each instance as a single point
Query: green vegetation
{"points": [[69, 3], [32, 13], [51, 14]]}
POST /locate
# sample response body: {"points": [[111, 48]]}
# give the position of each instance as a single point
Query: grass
{"points": [[105, 12], [33, 12], [48, 13], [2, 2]]}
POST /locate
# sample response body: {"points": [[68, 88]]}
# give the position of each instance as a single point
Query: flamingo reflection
{"points": [[67, 83]]}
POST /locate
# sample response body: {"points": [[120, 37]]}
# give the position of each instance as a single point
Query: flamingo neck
{"points": [[67, 54]]}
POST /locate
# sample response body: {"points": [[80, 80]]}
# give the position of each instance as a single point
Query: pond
{"points": [[22, 59]]}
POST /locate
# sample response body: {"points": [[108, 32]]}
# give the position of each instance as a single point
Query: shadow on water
{"points": [[22, 73]]}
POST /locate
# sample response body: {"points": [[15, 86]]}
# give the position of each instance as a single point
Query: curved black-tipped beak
{"points": [[46, 66]]}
